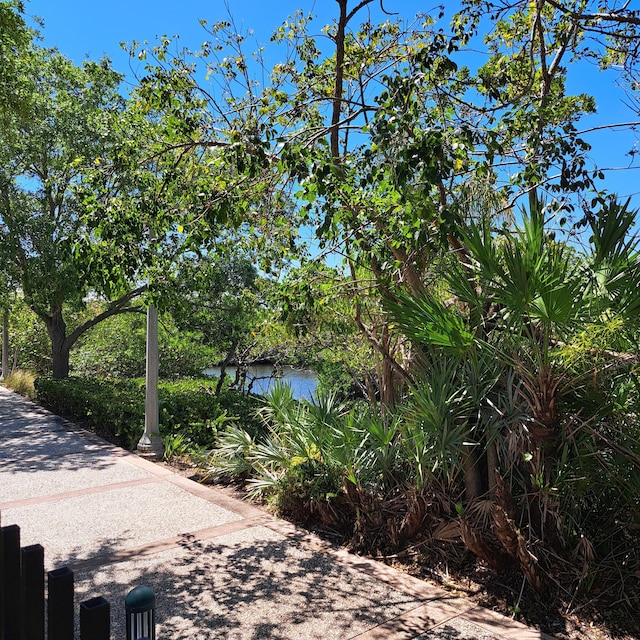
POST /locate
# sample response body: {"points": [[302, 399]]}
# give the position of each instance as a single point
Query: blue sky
{"points": [[80, 28]]}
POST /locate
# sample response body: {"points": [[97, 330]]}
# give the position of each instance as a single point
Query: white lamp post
{"points": [[150, 444]]}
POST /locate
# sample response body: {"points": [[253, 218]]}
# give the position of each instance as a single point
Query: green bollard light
{"points": [[140, 609]]}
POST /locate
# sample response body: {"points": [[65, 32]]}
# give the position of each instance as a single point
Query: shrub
{"points": [[344, 467], [333, 377], [305, 485], [21, 382], [28, 340], [191, 407], [115, 408]]}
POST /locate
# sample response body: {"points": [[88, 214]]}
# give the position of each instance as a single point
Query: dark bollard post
{"points": [[1, 582], [140, 610], [95, 622], [11, 581], [60, 604], [32, 608]]}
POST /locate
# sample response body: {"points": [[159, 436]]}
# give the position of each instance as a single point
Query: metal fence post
{"points": [[95, 621], [60, 604], [32, 608], [11, 580]]}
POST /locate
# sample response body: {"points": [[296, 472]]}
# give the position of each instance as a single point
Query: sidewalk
{"points": [[221, 568]]}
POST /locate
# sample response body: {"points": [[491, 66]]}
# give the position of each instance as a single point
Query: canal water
{"points": [[303, 382]]}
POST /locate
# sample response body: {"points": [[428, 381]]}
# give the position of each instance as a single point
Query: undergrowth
{"points": [[21, 382]]}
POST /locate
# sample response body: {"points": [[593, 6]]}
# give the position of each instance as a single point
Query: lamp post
{"points": [[150, 444]]}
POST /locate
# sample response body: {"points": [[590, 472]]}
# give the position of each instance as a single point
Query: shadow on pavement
{"points": [[241, 587], [34, 440]]}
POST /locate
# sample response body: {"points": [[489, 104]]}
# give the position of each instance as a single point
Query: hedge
{"points": [[114, 409]]}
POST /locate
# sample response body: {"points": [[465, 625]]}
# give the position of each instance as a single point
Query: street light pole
{"points": [[150, 444]]}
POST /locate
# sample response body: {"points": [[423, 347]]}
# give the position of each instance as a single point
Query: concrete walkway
{"points": [[221, 569]]}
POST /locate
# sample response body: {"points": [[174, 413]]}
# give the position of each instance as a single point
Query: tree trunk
{"points": [[388, 380], [472, 475], [5, 344], [223, 367], [61, 343], [493, 464], [57, 330]]}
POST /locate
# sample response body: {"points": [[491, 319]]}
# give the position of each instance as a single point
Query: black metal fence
{"points": [[22, 597]]}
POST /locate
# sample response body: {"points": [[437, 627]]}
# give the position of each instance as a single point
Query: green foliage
{"points": [[114, 348], [213, 299], [317, 308], [177, 446], [286, 464], [230, 459], [353, 469], [436, 427], [192, 407], [545, 385], [306, 484], [488, 348], [337, 376], [69, 125], [102, 351], [66, 131], [183, 353], [309, 448], [21, 382], [28, 340], [16, 89], [115, 408]]}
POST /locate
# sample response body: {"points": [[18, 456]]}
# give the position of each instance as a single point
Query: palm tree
{"points": [[517, 299]]}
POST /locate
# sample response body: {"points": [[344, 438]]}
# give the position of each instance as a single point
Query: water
{"points": [[303, 382]]}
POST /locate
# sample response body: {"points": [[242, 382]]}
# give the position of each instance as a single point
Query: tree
{"points": [[215, 296], [102, 352], [521, 325], [15, 93], [15, 87], [69, 129], [410, 166], [406, 145], [183, 194], [386, 137]]}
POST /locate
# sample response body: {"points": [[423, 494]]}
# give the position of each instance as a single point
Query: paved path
{"points": [[221, 569]]}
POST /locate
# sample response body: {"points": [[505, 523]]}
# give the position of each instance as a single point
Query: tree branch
{"points": [[630, 17], [115, 308], [357, 8], [339, 80]]}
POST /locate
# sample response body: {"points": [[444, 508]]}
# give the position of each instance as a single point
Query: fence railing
{"points": [[22, 599]]}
